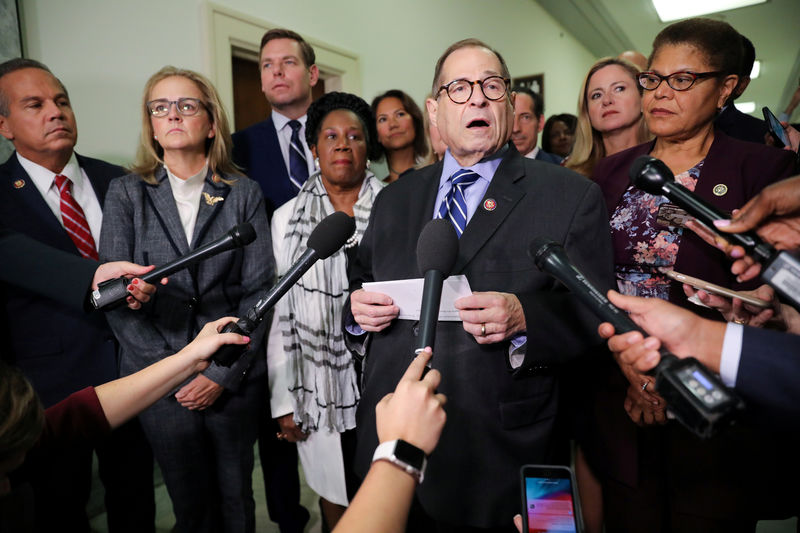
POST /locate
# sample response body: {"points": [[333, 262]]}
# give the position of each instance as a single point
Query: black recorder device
{"points": [[695, 396]]}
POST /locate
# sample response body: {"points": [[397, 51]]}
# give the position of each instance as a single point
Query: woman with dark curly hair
{"points": [[401, 132], [313, 377], [558, 134]]}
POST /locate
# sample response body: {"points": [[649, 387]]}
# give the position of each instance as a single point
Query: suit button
{"points": [[192, 303]]}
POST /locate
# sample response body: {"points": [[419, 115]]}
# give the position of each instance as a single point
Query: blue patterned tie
{"points": [[454, 205], [298, 167]]}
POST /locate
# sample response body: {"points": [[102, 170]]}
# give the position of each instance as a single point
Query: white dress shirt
{"points": [[82, 191], [284, 131], [187, 198]]}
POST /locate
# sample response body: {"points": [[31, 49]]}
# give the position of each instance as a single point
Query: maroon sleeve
{"points": [[77, 418]]}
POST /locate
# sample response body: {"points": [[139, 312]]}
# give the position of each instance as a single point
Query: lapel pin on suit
{"points": [[490, 204], [18, 184], [212, 200], [720, 189]]}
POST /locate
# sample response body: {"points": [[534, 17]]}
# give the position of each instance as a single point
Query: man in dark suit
{"points": [[732, 121], [275, 154], [500, 364], [55, 196], [266, 151], [528, 123]]}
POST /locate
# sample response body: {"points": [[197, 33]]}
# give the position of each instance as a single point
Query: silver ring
{"points": [[644, 387], [483, 329]]}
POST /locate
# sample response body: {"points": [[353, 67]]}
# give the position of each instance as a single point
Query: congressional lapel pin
{"points": [[489, 204], [18, 184], [212, 200], [720, 189]]}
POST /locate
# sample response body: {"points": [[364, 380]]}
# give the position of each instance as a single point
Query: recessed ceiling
{"points": [[607, 27]]}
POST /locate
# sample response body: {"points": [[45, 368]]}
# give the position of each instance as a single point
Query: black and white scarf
{"points": [[323, 385]]}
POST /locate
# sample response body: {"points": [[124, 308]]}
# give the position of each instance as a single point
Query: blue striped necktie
{"points": [[454, 205], [298, 166]]}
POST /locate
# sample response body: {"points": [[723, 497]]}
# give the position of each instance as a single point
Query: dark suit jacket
{"points": [[497, 418], [60, 348], [541, 155], [742, 126], [744, 168], [769, 371], [45, 270], [256, 150]]}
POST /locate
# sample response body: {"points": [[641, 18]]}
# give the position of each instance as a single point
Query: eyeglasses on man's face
{"points": [[185, 106], [460, 91], [679, 81]]}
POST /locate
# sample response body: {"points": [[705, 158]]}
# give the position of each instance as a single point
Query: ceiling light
{"points": [[680, 9], [756, 69], [745, 107]]}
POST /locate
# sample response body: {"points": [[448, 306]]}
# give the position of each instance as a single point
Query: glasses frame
{"points": [[695, 76], [176, 103], [446, 88]]}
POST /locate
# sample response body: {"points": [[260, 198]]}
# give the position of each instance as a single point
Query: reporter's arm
{"points": [[124, 398]]}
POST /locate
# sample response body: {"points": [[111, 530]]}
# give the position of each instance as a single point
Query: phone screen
{"points": [[549, 504], [775, 126]]}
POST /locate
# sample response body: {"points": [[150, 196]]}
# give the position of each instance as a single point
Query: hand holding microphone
{"points": [[329, 235], [114, 291], [780, 269], [697, 397]]}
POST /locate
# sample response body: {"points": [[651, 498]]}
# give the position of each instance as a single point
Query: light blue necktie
{"points": [[298, 166], [454, 205]]}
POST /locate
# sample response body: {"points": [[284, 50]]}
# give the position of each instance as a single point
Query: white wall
{"points": [[104, 51]]}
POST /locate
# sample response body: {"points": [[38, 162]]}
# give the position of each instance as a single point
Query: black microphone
{"points": [[697, 397], [437, 251], [114, 291], [329, 235], [780, 269]]}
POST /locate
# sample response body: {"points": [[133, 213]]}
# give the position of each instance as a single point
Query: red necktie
{"points": [[74, 220]]}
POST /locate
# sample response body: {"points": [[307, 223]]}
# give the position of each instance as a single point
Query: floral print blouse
{"points": [[643, 247]]}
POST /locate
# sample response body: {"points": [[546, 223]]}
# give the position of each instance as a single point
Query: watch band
{"points": [[403, 455]]}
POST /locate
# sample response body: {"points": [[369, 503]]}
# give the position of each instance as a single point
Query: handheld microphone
{"points": [[696, 396], [437, 251], [329, 235], [114, 291], [780, 269]]}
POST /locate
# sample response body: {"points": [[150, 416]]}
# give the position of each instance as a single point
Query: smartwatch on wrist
{"points": [[403, 455]]}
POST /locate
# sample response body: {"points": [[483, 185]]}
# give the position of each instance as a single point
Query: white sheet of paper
{"points": [[407, 295]]}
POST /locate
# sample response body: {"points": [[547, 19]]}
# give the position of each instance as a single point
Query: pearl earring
{"points": [[316, 163]]}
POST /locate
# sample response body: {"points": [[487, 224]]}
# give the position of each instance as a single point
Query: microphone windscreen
{"points": [[331, 234], [539, 248], [243, 234], [437, 247], [649, 174]]}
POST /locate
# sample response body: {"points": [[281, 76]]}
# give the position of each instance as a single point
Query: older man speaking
{"points": [[500, 365]]}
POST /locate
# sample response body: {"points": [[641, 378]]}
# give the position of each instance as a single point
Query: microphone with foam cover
{"points": [[437, 251], [329, 235], [780, 269]]}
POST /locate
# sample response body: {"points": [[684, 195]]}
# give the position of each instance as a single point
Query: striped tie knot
{"points": [[74, 219], [298, 166], [454, 205]]}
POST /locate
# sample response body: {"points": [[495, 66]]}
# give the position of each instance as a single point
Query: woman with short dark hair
{"points": [[313, 377]]}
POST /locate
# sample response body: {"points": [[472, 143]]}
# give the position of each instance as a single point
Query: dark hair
{"points": [[332, 101], [717, 40], [748, 57], [19, 63], [538, 105], [570, 120], [465, 43], [21, 413], [420, 141], [281, 33]]}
